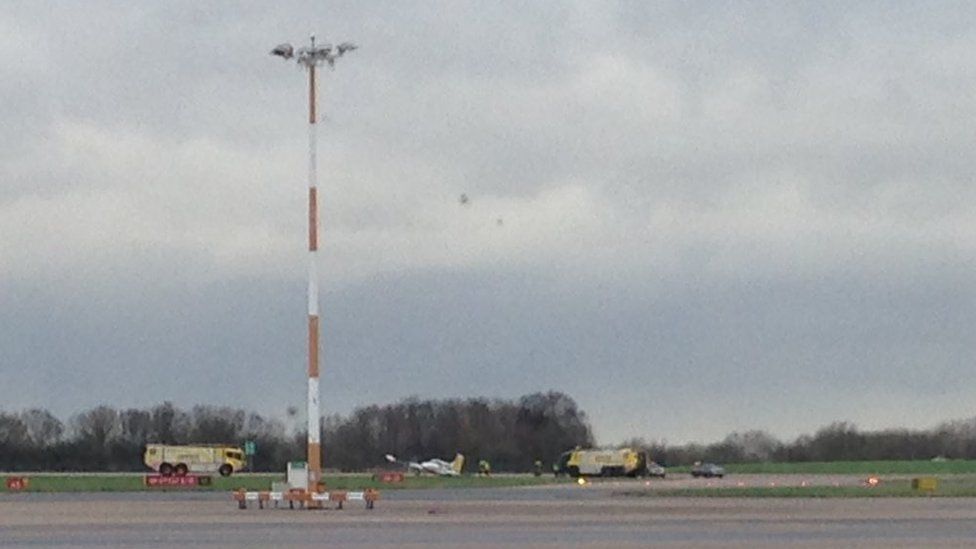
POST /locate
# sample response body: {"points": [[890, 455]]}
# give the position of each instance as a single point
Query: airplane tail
{"points": [[458, 463]]}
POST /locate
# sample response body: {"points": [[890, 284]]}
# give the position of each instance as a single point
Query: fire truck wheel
{"points": [[225, 470], [165, 469], [181, 470]]}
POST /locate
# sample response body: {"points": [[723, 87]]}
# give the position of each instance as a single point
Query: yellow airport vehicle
{"points": [[605, 463], [179, 460], [925, 484]]}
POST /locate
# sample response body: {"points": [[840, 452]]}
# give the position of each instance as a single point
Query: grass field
{"points": [[958, 478], [961, 486], [919, 467], [94, 482]]}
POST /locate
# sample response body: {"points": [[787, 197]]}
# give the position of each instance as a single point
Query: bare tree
{"points": [[13, 432], [210, 424], [42, 427], [166, 424], [97, 426], [136, 426]]}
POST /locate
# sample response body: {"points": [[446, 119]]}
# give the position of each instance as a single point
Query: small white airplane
{"points": [[433, 466]]}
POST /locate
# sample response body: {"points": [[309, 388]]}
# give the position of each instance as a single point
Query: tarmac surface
{"points": [[556, 516]]}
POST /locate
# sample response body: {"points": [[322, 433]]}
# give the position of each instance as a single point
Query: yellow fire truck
{"points": [[606, 463], [180, 460]]}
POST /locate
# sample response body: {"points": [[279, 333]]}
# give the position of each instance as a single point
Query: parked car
{"points": [[707, 470], [655, 470]]}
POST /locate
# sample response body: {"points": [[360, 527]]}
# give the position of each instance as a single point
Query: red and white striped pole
{"points": [[310, 58], [314, 443]]}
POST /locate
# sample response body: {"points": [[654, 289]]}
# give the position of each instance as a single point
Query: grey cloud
{"points": [[662, 357], [751, 211]]}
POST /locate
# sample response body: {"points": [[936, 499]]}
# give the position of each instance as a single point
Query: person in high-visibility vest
{"points": [[484, 468]]}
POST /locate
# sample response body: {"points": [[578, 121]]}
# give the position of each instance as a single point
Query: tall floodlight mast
{"points": [[310, 58]]}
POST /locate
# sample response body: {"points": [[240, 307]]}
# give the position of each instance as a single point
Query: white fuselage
{"points": [[434, 467]]}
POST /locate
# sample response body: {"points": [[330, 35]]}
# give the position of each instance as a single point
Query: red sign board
{"points": [[390, 476], [16, 484], [189, 481]]}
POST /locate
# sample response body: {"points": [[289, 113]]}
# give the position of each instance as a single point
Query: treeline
{"points": [[106, 439], [511, 434], [839, 441]]}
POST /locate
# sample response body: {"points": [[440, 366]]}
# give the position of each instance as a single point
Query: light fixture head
{"points": [[285, 50], [345, 46], [313, 55]]}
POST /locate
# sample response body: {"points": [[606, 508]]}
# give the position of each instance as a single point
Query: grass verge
{"points": [[916, 467], [895, 488], [134, 482]]}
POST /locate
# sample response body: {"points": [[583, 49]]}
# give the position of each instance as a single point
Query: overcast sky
{"points": [[693, 218]]}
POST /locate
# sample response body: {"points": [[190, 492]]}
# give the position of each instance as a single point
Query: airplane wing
{"points": [[415, 467]]}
